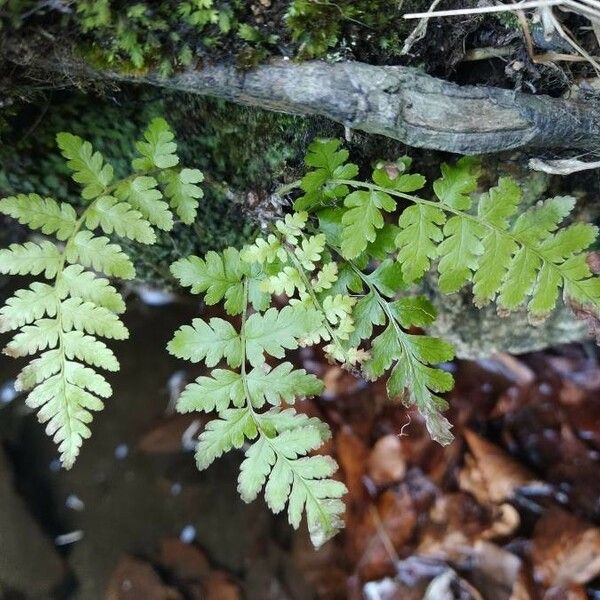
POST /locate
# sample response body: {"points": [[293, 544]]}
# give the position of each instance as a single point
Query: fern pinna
{"points": [[344, 268], [63, 317]]}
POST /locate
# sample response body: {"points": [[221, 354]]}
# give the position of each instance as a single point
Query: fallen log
{"points": [[398, 102]]}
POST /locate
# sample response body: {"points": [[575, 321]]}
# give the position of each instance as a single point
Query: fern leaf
{"points": [[75, 281], [362, 219], [210, 341], [95, 320], [279, 462], [111, 215], [417, 240], [42, 334], [460, 252], [411, 357], [159, 148], [213, 393], [99, 254], [88, 166], [66, 410], [183, 193], [28, 305], [89, 350], [87, 379], [47, 364], [142, 194], [282, 384], [310, 250], [274, 331], [229, 431], [30, 258], [218, 276], [41, 213], [329, 163], [457, 182]]}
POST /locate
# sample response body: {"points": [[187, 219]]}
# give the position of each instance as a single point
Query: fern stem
{"points": [[470, 217]]}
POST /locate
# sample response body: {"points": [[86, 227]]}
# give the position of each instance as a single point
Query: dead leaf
{"points": [[449, 586], [134, 579], [186, 562], [352, 456], [495, 571], [172, 434], [489, 473], [566, 549], [384, 530], [386, 463], [456, 521], [572, 592], [220, 586]]}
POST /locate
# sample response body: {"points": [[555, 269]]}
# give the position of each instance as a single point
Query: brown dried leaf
{"points": [[386, 463], [566, 549], [491, 474], [185, 561], [134, 579], [169, 434]]}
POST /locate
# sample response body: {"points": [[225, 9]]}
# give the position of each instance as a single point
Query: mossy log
{"points": [[399, 102]]}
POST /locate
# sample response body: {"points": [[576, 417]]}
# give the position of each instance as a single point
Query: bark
{"points": [[397, 102]]}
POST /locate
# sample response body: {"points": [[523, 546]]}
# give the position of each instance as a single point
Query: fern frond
{"points": [[183, 192], [89, 350], [62, 319], [99, 254], [210, 342], [142, 194], [95, 320], [40, 213], [276, 331], [28, 305], [111, 215], [76, 281], [30, 258], [218, 276], [277, 459], [159, 148], [88, 166]]}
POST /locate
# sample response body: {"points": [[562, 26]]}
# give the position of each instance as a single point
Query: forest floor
{"points": [[506, 512]]}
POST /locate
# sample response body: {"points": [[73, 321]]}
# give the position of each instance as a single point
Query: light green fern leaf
{"points": [[158, 149], [99, 254], [211, 342], [30, 258], [362, 219], [111, 215], [41, 213], [417, 240], [28, 305], [75, 281], [183, 192], [275, 331], [88, 166], [143, 195]]}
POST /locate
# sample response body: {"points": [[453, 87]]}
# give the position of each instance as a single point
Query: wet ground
{"points": [[507, 512]]}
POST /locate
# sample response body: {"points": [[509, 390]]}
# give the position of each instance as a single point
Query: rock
{"points": [[478, 333], [29, 563]]}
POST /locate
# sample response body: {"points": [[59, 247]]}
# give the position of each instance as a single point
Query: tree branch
{"points": [[397, 102]]}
